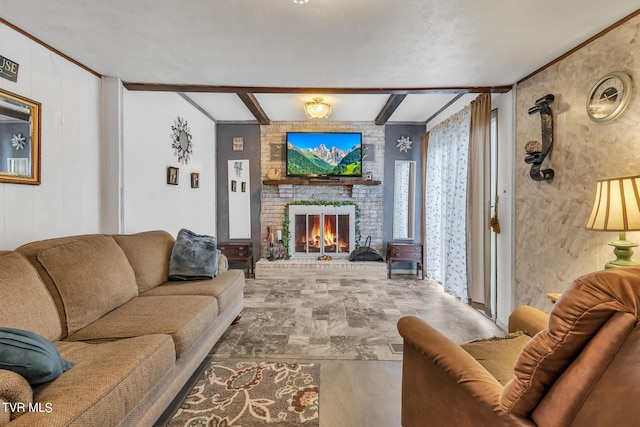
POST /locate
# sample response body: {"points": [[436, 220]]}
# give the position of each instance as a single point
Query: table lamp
{"points": [[617, 208]]}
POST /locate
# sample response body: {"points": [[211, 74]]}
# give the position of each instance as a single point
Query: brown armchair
{"points": [[581, 368]]}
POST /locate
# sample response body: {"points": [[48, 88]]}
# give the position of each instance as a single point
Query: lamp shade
{"points": [[617, 205]]}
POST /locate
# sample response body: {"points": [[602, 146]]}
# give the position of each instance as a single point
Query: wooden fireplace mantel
{"points": [[320, 182]]}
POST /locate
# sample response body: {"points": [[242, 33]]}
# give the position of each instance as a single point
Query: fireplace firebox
{"points": [[321, 230]]}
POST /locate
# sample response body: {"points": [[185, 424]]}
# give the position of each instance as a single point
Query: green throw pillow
{"points": [[30, 355]]}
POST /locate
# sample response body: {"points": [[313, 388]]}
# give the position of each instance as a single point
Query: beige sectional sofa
{"points": [[107, 305]]}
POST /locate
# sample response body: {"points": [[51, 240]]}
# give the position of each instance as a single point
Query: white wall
{"points": [[150, 203], [68, 200], [505, 103]]}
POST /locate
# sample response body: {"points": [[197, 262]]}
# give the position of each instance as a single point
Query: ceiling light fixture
{"points": [[317, 109], [300, 1]]}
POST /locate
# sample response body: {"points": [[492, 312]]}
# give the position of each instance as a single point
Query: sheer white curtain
{"points": [[446, 204]]}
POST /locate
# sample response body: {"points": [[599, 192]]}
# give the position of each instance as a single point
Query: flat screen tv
{"points": [[324, 154]]}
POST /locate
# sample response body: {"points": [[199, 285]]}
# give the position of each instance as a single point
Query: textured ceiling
{"points": [[321, 44]]}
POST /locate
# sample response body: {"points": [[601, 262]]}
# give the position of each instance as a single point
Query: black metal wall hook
{"points": [[537, 156]]}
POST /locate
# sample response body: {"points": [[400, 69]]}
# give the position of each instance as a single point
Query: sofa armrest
{"points": [[528, 319], [442, 385], [223, 263], [14, 388]]}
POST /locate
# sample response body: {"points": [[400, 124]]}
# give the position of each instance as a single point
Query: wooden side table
{"points": [[405, 252], [239, 252]]}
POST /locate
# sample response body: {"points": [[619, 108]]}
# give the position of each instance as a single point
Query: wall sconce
{"points": [[536, 151], [317, 109], [617, 208]]}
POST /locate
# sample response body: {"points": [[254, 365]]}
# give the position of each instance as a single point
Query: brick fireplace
{"points": [[369, 199]]}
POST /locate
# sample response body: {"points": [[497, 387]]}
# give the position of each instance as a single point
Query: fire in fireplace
{"points": [[319, 230], [327, 234]]}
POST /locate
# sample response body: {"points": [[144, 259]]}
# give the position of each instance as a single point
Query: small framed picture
{"points": [[368, 175], [195, 180], [238, 143], [368, 152], [243, 186], [234, 184], [172, 175], [277, 152]]}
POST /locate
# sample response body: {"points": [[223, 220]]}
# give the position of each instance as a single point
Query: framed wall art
{"points": [[195, 180], [172, 175], [238, 143], [277, 151]]}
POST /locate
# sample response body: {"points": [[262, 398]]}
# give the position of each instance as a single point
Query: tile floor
{"points": [[347, 325], [342, 319]]}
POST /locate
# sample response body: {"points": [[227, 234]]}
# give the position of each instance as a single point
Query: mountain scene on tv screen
{"points": [[323, 161]]}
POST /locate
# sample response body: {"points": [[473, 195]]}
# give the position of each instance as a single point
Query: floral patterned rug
{"points": [[246, 394]]}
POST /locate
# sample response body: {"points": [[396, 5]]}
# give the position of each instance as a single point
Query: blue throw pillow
{"points": [[194, 257], [30, 355]]}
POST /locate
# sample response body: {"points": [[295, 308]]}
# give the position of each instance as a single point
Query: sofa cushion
{"points": [[193, 257], [148, 253], [30, 355], [498, 355], [108, 381], [92, 276], [26, 304], [226, 288], [185, 318]]}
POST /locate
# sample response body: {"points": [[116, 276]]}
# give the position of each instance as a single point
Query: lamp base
{"points": [[623, 252]]}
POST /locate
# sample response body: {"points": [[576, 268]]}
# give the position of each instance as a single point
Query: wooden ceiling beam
{"points": [[444, 107], [163, 87], [254, 106], [389, 107]]}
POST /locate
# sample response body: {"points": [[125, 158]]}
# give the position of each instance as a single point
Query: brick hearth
{"points": [[310, 267]]}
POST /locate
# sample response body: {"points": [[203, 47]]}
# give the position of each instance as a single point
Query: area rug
{"points": [[248, 393]]}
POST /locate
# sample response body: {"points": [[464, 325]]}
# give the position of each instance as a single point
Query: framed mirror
{"points": [[404, 194], [19, 139]]}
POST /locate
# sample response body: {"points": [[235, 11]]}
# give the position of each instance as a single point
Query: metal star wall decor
{"points": [[404, 143], [18, 141]]}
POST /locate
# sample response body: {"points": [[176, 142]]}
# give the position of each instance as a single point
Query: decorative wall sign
{"points": [[9, 69], [238, 143], [237, 167], [368, 152], [277, 151], [172, 175], [195, 180], [181, 140]]}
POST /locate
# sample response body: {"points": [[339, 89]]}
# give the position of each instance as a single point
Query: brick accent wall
{"points": [[369, 198]]}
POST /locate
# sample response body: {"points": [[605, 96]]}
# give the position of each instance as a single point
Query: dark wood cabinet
{"points": [[239, 252], [405, 252]]}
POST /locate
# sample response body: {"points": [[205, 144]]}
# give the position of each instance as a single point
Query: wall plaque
{"points": [[8, 69]]}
